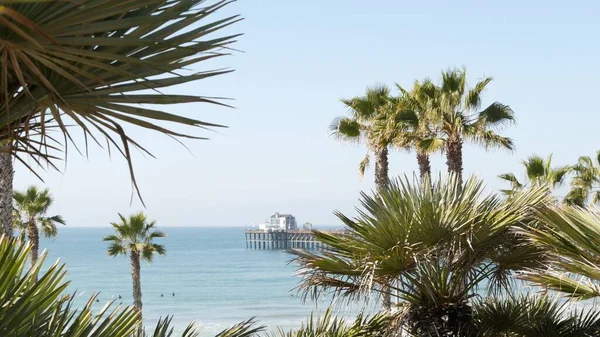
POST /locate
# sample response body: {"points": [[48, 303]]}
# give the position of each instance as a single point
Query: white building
{"points": [[279, 222]]}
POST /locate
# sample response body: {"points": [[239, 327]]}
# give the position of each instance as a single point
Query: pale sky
{"points": [[298, 59]]}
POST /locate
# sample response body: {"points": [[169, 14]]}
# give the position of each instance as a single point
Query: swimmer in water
{"points": [[173, 294], [161, 295]]}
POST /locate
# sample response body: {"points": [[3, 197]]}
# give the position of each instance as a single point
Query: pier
{"points": [[275, 240]]}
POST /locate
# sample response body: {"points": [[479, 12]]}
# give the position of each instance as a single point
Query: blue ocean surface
{"points": [[215, 280]]}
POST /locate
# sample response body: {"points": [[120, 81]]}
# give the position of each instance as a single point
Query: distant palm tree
{"points": [[31, 207], [413, 123], [538, 171], [135, 236], [365, 113], [585, 182], [458, 119]]}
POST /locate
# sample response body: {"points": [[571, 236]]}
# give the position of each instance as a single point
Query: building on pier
{"points": [[281, 231], [279, 222]]}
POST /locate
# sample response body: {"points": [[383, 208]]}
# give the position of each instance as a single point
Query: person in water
{"points": [[173, 294], [161, 295]]}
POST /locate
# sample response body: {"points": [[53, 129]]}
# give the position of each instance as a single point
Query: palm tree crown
{"points": [[458, 118], [135, 234], [538, 171], [585, 182], [365, 113], [31, 207], [412, 123]]}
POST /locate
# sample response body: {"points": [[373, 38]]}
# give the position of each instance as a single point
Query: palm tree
{"points": [[135, 236], [538, 171], [586, 182], [94, 65], [433, 244], [368, 122], [457, 119], [365, 114], [31, 207], [569, 235], [413, 123]]}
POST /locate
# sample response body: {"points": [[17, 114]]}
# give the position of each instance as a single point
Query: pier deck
{"points": [[268, 240]]}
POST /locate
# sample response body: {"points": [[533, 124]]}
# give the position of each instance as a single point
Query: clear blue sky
{"points": [[299, 58]]}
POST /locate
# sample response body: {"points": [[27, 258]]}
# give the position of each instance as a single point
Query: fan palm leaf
{"points": [[569, 236], [432, 245]]}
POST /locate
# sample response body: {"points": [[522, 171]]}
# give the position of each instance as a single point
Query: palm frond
{"points": [[570, 239], [86, 65], [364, 164], [328, 325], [246, 328], [346, 129], [34, 304]]}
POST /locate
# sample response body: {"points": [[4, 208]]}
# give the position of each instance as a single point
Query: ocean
{"points": [[215, 280]]}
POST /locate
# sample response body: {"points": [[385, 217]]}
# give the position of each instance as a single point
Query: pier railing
{"points": [[300, 238]]}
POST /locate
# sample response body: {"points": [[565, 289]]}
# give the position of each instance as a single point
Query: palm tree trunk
{"points": [[381, 168], [137, 287], [381, 181], [6, 193], [454, 158], [424, 165], [34, 239]]}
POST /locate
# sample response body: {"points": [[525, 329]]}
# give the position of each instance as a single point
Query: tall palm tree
{"points": [[361, 126], [31, 207], [585, 182], [434, 244], [458, 118], [94, 65], [538, 171], [135, 236], [413, 123]]}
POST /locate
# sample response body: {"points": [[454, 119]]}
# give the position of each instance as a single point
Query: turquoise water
{"points": [[216, 281]]}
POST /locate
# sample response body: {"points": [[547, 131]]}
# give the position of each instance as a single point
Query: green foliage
{"points": [[364, 123], [538, 171], [164, 328], [570, 237], [585, 183], [454, 112], [91, 64], [534, 316], [378, 325], [32, 302], [433, 245], [31, 207], [135, 234]]}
